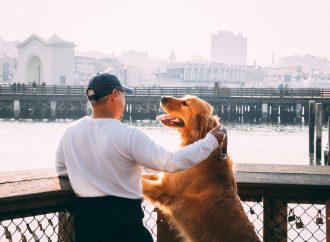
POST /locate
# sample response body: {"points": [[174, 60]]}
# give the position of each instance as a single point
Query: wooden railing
{"points": [[62, 90], [271, 194]]}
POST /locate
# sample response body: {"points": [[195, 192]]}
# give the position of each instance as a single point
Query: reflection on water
{"points": [[30, 144]]}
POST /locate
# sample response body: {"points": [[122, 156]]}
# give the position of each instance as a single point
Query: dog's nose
{"points": [[163, 99]]}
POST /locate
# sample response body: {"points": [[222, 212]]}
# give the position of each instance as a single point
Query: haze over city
{"points": [[281, 27]]}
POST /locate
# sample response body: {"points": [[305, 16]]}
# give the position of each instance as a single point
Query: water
{"points": [[32, 144]]}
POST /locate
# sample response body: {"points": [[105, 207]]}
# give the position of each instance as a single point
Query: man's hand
{"points": [[219, 133]]}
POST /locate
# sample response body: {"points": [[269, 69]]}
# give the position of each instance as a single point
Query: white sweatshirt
{"points": [[104, 157]]}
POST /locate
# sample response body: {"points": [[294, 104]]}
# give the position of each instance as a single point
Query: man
{"points": [[103, 159]]}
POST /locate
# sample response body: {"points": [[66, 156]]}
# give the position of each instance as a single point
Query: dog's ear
{"points": [[203, 123]]}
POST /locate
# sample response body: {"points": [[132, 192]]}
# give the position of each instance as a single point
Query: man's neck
{"points": [[102, 114]]}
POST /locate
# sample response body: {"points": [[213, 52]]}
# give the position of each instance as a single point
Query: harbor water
{"points": [[31, 144]]}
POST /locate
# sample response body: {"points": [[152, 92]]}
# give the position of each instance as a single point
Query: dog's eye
{"points": [[184, 103]]}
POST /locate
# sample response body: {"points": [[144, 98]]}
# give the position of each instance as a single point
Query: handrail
{"points": [[24, 191]]}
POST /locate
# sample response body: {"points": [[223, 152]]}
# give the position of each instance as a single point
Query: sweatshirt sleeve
{"points": [[152, 156], [61, 169]]}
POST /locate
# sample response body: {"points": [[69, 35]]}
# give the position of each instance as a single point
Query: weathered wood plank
{"points": [[40, 188], [35, 194], [30, 187], [300, 169], [285, 179], [20, 175], [257, 176]]}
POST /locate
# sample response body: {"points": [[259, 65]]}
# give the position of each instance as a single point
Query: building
{"points": [[50, 61], [8, 48], [7, 68], [306, 62], [135, 58], [228, 48], [201, 74], [85, 67]]}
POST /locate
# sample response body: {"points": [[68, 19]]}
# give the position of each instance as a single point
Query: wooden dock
{"points": [[268, 193]]}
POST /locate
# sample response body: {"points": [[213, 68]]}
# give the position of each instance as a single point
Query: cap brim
{"points": [[127, 90]]}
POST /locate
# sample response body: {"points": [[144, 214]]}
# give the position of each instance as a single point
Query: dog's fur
{"points": [[201, 202]]}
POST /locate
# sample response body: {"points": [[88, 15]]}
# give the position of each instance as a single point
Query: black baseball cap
{"points": [[102, 84]]}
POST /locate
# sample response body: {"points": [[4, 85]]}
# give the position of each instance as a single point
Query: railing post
{"points": [[318, 124], [65, 227], [275, 223], [264, 112], [327, 218], [327, 162], [311, 122], [17, 109]]}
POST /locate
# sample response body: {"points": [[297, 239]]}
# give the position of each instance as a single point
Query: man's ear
{"points": [[114, 94]]}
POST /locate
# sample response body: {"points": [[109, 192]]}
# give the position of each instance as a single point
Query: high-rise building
{"points": [[228, 48]]}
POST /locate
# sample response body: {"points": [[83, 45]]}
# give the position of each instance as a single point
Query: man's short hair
{"points": [[99, 101]]}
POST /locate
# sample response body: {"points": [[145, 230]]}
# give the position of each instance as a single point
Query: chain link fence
{"points": [[48, 227], [292, 221]]}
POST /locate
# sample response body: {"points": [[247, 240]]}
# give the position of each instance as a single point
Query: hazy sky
{"points": [[284, 27]]}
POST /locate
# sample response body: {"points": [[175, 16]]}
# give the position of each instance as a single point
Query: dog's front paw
{"points": [[150, 176]]}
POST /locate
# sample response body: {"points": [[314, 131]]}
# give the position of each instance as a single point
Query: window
{"points": [[62, 79]]}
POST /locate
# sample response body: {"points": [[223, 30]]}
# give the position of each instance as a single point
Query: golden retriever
{"points": [[201, 202]]}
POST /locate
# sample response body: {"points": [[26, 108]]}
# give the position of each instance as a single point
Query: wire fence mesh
{"points": [[44, 227], [294, 221]]}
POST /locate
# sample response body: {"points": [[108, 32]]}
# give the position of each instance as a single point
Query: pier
{"points": [[252, 105], [284, 203]]}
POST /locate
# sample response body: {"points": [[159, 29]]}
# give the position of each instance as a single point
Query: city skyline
{"points": [[279, 27]]}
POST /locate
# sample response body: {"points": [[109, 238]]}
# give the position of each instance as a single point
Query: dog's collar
{"points": [[223, 151]]}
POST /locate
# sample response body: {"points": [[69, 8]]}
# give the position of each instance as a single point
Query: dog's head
{"points": [[192, 116]]}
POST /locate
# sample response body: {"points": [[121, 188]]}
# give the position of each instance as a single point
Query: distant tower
{"points": [[228, 48], [172, 57], [273, 57]]}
